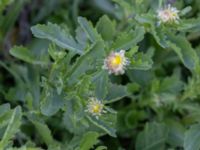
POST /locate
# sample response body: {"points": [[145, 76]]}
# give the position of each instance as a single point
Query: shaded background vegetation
{"points": [[168, 76]]}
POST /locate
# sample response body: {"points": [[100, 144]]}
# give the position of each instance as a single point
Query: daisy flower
{"points": [[95, 107], [116, 62], [168, 14]]}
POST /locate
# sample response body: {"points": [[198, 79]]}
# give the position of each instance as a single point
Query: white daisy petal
{"points": [[116, 63], [168, 14], [95, 107]]}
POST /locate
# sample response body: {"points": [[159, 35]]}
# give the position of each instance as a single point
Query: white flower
{"points": [[95, 107], [168, 14], [116, 62]]}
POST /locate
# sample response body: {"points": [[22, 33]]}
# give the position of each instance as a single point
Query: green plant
{"points": [[132, 77]]}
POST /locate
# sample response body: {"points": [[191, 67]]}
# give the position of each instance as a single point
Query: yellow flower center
{"points": [[117, 60], [174, 14], [96, 108], [170, 14]]}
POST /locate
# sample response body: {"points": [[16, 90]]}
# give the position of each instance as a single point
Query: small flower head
{"points": [[168, 15], [116, 62], [95, 107]]}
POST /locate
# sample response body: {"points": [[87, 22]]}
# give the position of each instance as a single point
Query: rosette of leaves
{"points": [[74, 74]]}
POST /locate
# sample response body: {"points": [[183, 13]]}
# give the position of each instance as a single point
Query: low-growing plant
{"points": [[129, 80]]}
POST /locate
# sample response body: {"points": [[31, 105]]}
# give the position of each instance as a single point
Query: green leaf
{"points": [[73, 117], [81, 37], [132, 117], [88, 140], [125, 6], [142, 77], [106, 28], [176, 133], [116, 92], [86, 62], [55, 34], [148, 21], [5, 116], [171, 84], [44, 132], [89, 29], [84, 85], [129, 39], [192, 138], [101, 148], [158, 35], [4, 108], [185, 10], [51, 102], [12, 128], [103, 125], [24, 54], [24, 148], [141, 61], [190, 25], [153, 137], [54, 53], [184, 50], [12, 13], [101, 84]]}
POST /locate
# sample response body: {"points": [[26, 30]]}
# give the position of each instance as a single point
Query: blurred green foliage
{"points": [[51, 58]]}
